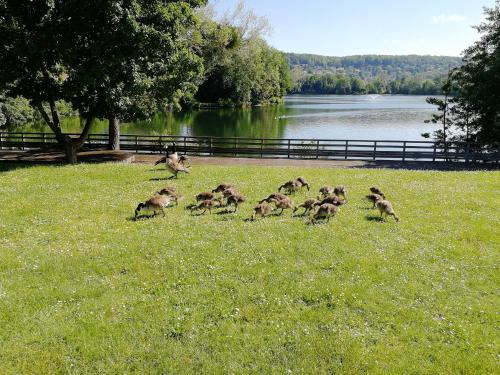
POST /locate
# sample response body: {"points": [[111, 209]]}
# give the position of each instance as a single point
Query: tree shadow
{"points": [[162, 178]]}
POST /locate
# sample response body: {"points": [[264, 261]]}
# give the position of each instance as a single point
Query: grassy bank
{"points": [[85, 289]]}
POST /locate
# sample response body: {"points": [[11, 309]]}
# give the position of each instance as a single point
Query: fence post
{"points": [[346, 148], [404, 151], [211, 147], [434, 152], [1, 141], [136, 144], [317, 149], [262, 148], [375, 151], [22, 141], [289, 141]]}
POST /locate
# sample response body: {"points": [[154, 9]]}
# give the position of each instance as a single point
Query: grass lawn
{"points": [[84, 289]]}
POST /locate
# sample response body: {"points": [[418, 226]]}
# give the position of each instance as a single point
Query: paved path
{"points": [[112, 156]]}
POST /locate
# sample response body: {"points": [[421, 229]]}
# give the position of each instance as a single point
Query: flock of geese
{"points": [[325, 206]]}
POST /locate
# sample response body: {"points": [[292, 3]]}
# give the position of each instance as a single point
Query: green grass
{"points": [[85, 289]]}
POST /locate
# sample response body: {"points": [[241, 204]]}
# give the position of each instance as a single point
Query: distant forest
{"points": [[369, 74]]}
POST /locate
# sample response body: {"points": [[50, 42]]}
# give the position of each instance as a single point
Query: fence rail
{"points": [[271, 148]]}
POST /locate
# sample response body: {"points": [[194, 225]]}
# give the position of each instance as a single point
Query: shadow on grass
{"points": [[162, 178], [374, 218]]}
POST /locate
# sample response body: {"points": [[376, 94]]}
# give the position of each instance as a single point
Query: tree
{"points": [[478, 80], [443, 117], [111, 59]]}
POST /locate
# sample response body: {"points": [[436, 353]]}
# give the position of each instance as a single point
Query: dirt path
{"points": [[112, 156]]}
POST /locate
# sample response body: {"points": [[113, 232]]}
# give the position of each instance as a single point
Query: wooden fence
{"points": [[272, 148]]}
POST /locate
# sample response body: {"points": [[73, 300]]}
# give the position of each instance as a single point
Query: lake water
{"points": [[383, 117]]}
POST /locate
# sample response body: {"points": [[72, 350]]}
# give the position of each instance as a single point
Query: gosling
{"points": [[325, 191], [157, 203], [308, 205], [376, 190], [340, 191], [374, 198], [385, 207], [273, 196], [205, 196], [171, 193], [263, 209], [222, 187], [325, 211], [283, 204], [290, 187], [303, 182], [332, 199], [206, 205], [235, 200]]}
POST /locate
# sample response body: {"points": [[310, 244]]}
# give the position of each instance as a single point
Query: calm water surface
{"points": [[301, 116]]}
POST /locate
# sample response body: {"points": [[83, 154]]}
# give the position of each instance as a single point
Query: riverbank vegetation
{"points": [[85, 289]]}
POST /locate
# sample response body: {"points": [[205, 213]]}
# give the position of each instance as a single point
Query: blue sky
{"points": [[340, 28]]}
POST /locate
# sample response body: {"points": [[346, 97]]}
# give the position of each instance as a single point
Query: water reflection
{"points": [[330, 116]]}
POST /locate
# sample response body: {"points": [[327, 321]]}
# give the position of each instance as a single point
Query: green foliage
{"points": [[86, 290], [369, 67], [241, 68], [329, 83], [118, 58], [15, 112], [473, 114], [478, 81]]}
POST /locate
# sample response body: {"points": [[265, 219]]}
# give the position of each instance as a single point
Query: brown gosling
{"points": [[385, 207], [308, 205], [206, 205], [303, 182], [290, 187], [205, 196], [325, 191], [325, 211], [274, 196], [283, 204], [263, 209], [222, 187], [332, 199], [340, 191], [376, 190], [156, 203], [171, 193], [235, 200], [374, 198]]}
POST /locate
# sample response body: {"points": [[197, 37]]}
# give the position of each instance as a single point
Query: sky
{"points": [[355, 27]]}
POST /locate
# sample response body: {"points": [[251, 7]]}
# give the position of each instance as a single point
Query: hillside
{"points": [[385, 67]]}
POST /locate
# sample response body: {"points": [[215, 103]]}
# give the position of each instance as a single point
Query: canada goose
{"points": [[303, 182], [273, 196], [325, 191], [174, 157], [263, 209], [385, 207], [340, 191], [325, 211], [206, 205], [283, 204], [374, 198], [235, 200], [176, 168], [156, 203], [222, 187], [205, 196], [184, 161], [332, 199], [376, 190], [309, 205]]}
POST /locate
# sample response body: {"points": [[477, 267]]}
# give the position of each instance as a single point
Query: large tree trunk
{"points": [[71, 150], [114, 133]]}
